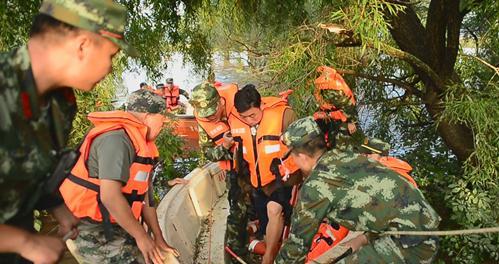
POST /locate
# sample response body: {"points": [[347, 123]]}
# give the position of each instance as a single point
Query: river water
{"points": [[227, 70]]}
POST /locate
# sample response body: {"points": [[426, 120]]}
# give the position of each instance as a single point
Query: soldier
{"points": [[359, 193], [71, 44], [212, 106], [338, 114], [172, 93], [145, 86], [110, 186]]}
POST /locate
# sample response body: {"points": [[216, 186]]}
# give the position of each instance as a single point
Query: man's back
{"points": [[366, 196]]}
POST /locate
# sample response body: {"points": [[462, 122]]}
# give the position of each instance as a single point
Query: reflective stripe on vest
{"points": [[83, 200], [262, 148]]}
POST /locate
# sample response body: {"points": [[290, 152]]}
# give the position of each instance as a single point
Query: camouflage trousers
{"points": [[91, 246], [236, 234], [387, 250]]}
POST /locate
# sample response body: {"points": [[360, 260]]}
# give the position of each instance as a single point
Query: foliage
{"points": [[175, 162], [400, 96], [15, 21], [424, 73]]}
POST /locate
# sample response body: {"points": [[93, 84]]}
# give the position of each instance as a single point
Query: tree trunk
{"points": [[437, 46]]}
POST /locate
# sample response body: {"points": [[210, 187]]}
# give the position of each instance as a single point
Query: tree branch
{"points": [[496, 69], [410, 89], [248, 48], [413, 60]]}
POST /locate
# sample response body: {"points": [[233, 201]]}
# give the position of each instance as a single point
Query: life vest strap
{"points": [[89, 185], [145, 160], [269, 138], [218, 137], [106, 217]]}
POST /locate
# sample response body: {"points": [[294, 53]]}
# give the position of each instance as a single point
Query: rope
{"points": [[234, 255], [441, 233]]}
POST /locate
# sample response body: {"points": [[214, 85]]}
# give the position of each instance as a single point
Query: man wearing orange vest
{"points": [[109, 187], [337, 110], [172, 93], [70, 47], [259, 124], [212, 107]]}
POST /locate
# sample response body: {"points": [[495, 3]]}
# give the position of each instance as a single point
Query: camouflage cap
{"points": [[144, 101], [204, 99], [105, 18], [299, 132]]}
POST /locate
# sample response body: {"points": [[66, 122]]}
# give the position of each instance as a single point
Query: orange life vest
{"points": [[399, 166], [81, 193], [330, 80], [216, 130], [260, 149], [336, 115], [171, 96], [327, 236]]}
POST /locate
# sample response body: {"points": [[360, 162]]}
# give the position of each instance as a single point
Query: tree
{"points": [[426, 71], [425, 74]]}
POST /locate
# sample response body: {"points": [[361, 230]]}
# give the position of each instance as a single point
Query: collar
{"points": [[28, 93]]}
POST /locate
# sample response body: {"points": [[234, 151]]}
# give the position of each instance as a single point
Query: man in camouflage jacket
{"points": [[71, 44], [360, 194], [208, 104]]}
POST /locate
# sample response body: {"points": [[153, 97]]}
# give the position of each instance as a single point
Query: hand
{"points": [[228, 140], [177, 181], [164, 247], [351, 128], [42, 249], [357, 242], [67, 221], [148, 248]]}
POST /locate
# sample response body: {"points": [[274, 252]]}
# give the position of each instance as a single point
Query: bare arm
{"points": [[36, 248], [151, 219], [117, 205]]}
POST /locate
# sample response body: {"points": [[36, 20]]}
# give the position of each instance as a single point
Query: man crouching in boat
{"points": [[110, 186], [360, 194]]}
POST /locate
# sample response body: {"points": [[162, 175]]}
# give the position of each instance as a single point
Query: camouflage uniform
{"points": [[35, 128], [204, 99], [33, 136], [91, 246], [339, 130], [362, 195]]}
